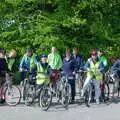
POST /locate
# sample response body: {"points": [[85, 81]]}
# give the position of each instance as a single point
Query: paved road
{"points": [[108, 111], [78, 111]]}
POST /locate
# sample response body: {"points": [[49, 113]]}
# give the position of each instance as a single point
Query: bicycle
{"points": [[90, 92], [9, 92], [65, 89], [105, 89], [79, 80], [45, 97], [38, 92], [114, 82], [26, 83], [61, 90]]}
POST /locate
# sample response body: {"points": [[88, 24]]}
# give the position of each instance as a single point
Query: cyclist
{"points": [[68, 69], [55, 64], [42, 71], [115, 70], [4, 76], [78, 60], [95, 69], [54, 60], [79, 65], [105, 62], [102, 58], [28, 62]]}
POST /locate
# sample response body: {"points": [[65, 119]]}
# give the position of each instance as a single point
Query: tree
{"points": [[85, 24]]}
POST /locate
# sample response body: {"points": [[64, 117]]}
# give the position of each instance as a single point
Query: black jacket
{"points": [[3, 65]]}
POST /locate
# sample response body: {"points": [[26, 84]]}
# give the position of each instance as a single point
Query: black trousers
{"points": [[72, 84]]}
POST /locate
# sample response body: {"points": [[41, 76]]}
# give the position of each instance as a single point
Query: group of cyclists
{"points": [[95, 68]]}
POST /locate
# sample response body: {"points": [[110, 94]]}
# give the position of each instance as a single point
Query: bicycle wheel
{"points": [[12, 95], [88, 96], [30, 95], [66, 95], [45, 98], [26, 85], [106, 91], [115, 88]]}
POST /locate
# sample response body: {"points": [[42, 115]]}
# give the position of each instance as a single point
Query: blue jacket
{"points": [[26, 64], [78, 62], [68, 66], [116, 66], [101, 66]]}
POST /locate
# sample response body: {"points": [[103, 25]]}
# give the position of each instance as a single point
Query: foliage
{"points": [[85, 24]]}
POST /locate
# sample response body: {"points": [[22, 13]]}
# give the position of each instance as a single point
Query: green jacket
{"points": [[11, 62], [104, 60], [55, 61]]}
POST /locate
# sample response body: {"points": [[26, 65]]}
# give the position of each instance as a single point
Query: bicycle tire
{"points": [[12, 92], [30, 96], [42, 96], [66, 95], [106, 91]]}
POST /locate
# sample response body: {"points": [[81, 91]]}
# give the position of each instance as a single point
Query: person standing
{"points": [[103, 59], [28, 62], [10, 58], [4, 72], [42, 71], [78, 59], [95, 70], [115, 74], [68, 69], [54, 60], [79, 65]]}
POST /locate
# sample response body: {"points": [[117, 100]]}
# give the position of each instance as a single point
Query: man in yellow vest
{"points": [[42, 71], [95, 69], [28, 62]]}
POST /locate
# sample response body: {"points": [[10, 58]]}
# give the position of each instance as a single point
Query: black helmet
{"points": [[43, 55], [2, 51], [29, 50]]}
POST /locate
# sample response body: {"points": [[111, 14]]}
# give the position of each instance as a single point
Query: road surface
{"points": [[78, 111]]}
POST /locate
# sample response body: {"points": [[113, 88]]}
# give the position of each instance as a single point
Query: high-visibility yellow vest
{"points": [[42, 77], [32, 60], [94, 71]]}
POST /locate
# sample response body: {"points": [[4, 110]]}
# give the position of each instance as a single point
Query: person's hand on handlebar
{"points": [[23, 70], [73, 72], [20, 69]]}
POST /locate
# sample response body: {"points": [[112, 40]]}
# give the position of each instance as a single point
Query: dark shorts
{"points": [[6, 78], [2, 81]]}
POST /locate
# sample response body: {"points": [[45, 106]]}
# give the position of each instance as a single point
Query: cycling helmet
{"points": [[94, 52], [43, 55]]}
